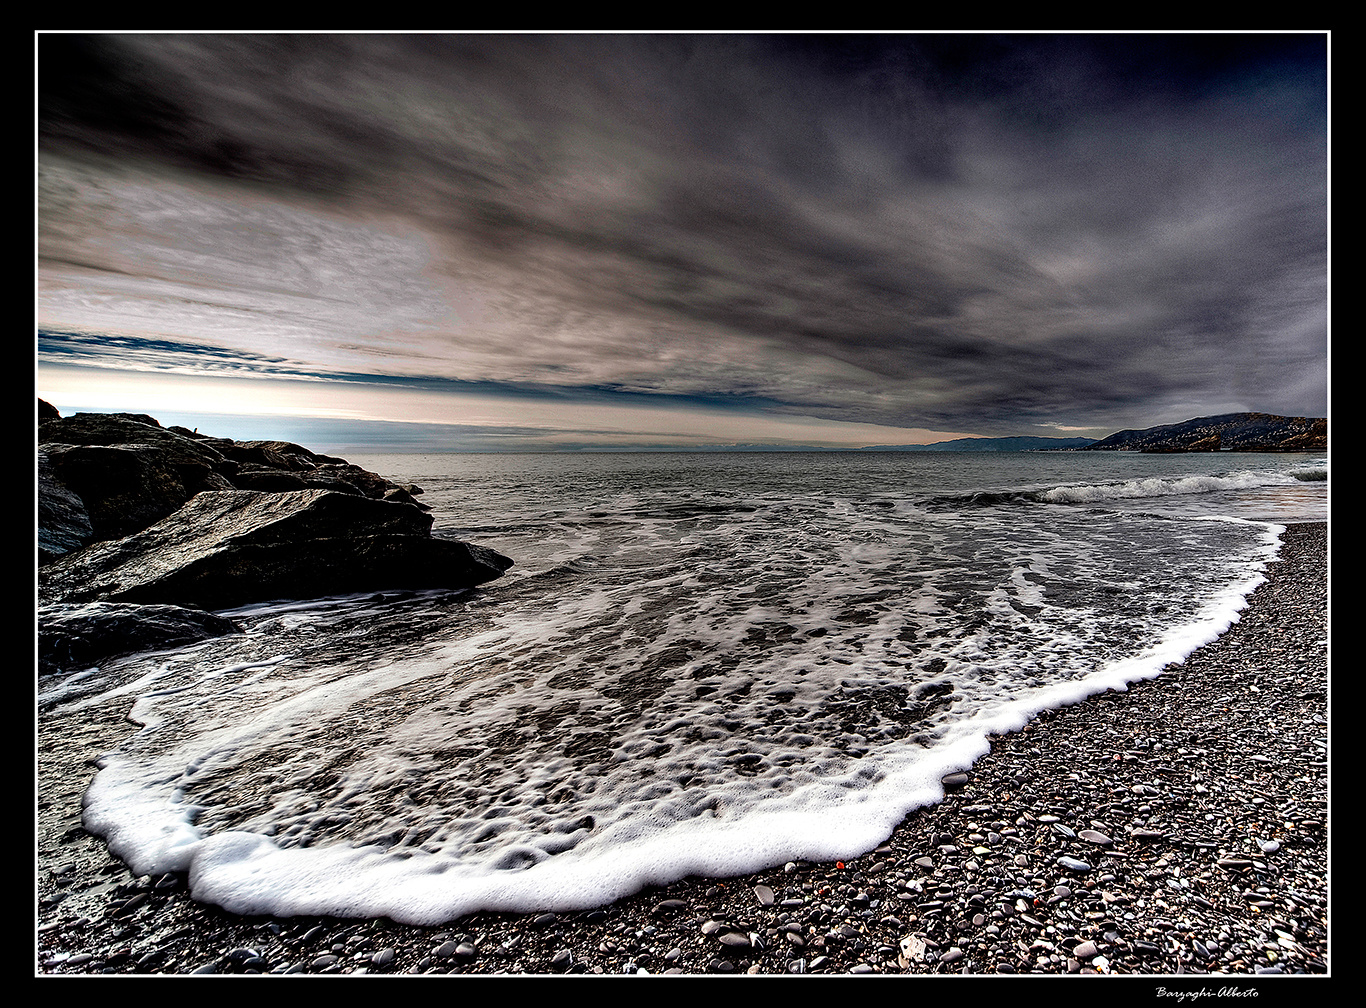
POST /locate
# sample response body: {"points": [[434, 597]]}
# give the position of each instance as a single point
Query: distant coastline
{"points": [[1000, 444], [1229, 432]]}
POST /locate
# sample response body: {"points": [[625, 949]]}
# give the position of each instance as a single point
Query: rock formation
{"points": [[146, 518], [76, 636], [229, 547], [129, 472]]}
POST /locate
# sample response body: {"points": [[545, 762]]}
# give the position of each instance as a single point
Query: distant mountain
{"points": [[1244, 432], [997, 444]]}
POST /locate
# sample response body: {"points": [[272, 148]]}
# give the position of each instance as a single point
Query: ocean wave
{"points": [[1160, 486]]}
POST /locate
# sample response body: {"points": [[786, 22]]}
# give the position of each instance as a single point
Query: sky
{"points": [[588, 241]]}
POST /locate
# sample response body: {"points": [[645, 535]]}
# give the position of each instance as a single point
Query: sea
{"points": [[701, 664]]}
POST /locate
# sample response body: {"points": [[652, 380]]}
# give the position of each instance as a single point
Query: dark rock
{"points": [[126, 487], [96, 428], [401, 496], [272, 480], [233, 547], [273, 454], [104, 476], [75, 636], [363, 480], [115, 429], [64, 523]]}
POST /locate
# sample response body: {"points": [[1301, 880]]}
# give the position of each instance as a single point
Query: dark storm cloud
{"points": [[914, 230]]}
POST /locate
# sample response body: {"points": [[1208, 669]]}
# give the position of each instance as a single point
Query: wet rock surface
{"points": [[226, 548], [1176, 828], [71, 636]]}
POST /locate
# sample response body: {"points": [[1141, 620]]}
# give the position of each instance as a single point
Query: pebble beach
{"points": [[1175, 829]]}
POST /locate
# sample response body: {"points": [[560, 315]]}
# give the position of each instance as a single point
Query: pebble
{"points": [[383, 957]]}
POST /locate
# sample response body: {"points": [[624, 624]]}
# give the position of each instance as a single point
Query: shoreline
{"points": [[1209, 783]]}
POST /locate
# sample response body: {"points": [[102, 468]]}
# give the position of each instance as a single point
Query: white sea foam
{"points": [[836, 816], [1158, 486]]}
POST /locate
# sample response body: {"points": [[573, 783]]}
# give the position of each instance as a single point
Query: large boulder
{"points": [[126, 487], [288, 453], [124, 429], [63, 522], [228, 548], [77, 636], [366, 482], [252, 477]]}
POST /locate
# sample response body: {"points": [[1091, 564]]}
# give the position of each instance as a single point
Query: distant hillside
{"points": [[999, 444], [1244, 432]]}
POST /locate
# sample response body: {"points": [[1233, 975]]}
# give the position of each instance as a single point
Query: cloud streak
{"points": [[958, 233]]}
